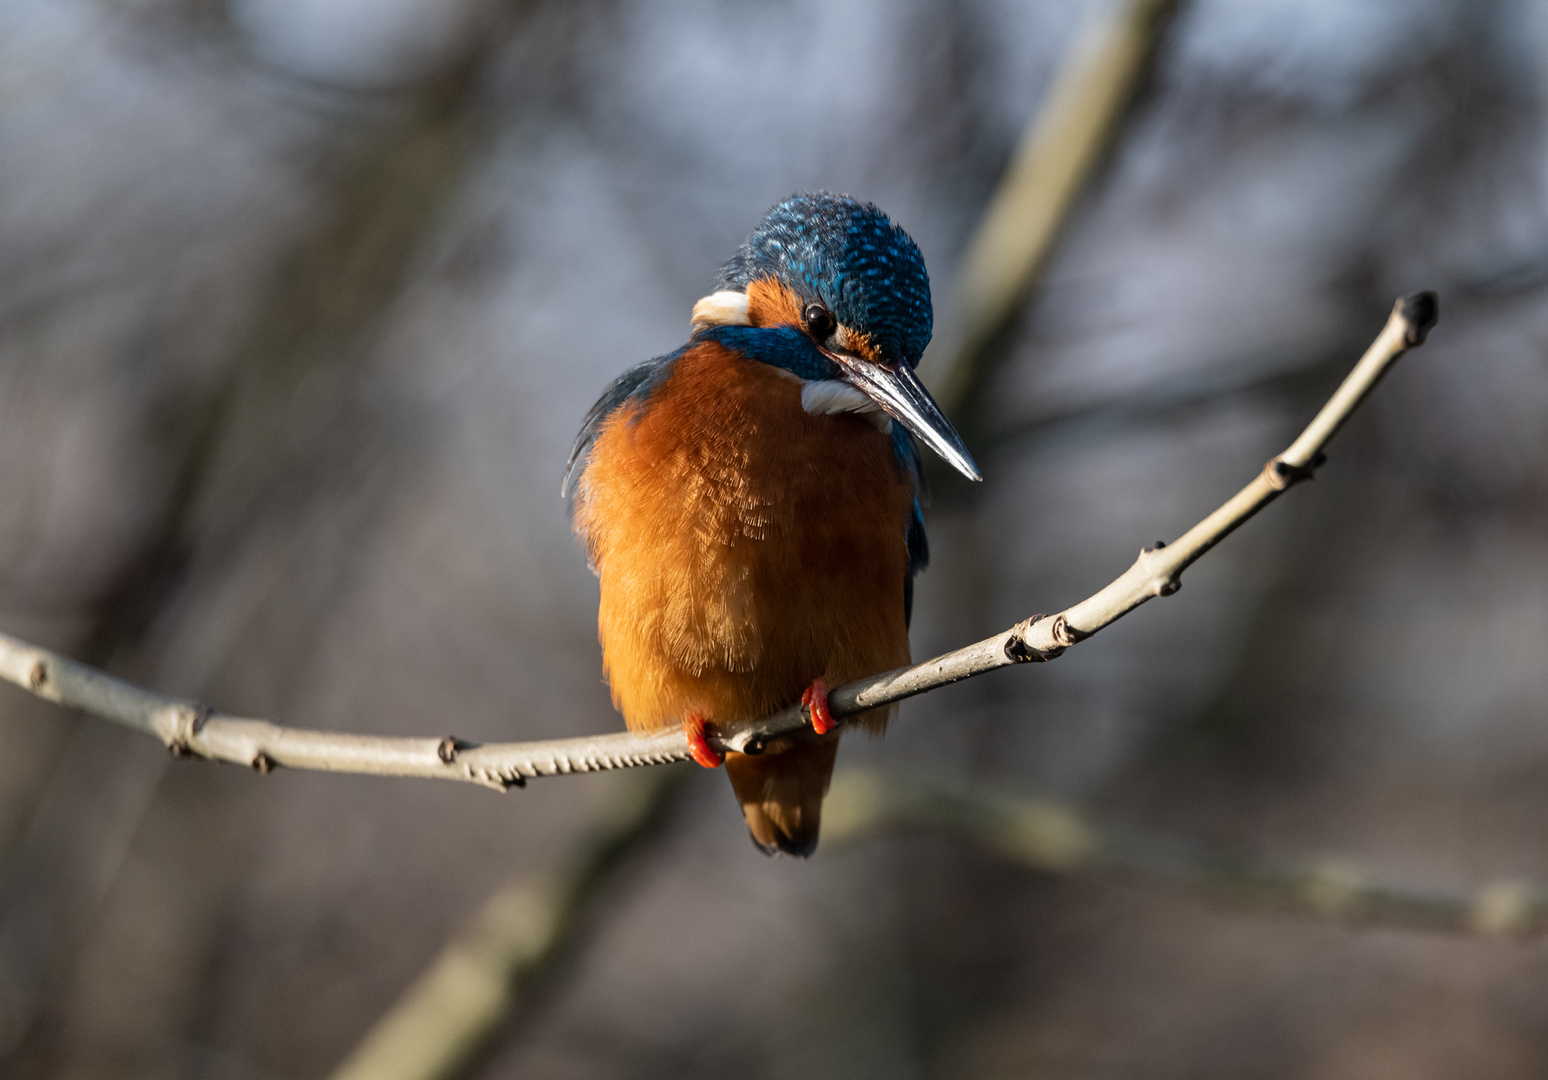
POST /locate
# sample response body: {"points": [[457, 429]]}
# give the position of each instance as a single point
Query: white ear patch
{"points": [[821, 397], [724, 308]]}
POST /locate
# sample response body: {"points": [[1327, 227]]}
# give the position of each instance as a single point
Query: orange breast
{"points": [[744, 547]]}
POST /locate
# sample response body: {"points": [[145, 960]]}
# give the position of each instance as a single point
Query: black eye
{"points": [[819, 321]]}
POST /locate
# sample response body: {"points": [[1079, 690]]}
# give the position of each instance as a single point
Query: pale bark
{"points": [[189, 728]]}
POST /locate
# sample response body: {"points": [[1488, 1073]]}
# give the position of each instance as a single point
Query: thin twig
{"points": [[1058, 838], [188, 728]]}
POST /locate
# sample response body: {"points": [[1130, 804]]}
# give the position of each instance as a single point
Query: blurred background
{"points": [[301, 302]]}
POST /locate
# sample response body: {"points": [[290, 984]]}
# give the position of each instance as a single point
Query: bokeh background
{"points": [[301, 302]]}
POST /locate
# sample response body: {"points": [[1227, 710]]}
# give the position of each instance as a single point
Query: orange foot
{"points": [[815, 698], [694, 726]]}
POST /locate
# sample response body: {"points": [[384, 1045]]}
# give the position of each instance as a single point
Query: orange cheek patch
{"points": [[771, 304], [860, 344]]}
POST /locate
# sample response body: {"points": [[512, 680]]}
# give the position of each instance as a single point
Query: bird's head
{"points": [[841, 273]]}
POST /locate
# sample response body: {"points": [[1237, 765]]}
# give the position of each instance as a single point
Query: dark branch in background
{"points": [[188, 728], [1050, 836], [1050, 169], [1167, 399], [442, 1021], [231, 440]]}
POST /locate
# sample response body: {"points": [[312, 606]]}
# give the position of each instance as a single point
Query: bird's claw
{"points": [[815, 699], [694, 726]]}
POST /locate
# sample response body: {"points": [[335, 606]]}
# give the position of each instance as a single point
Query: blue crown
{"points": [[849, 256]]}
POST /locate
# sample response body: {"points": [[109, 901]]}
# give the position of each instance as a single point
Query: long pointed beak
{"points": [[898, 390]]}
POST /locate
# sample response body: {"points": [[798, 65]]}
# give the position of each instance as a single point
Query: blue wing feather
{"points": [[637, 381], [914, 535]]}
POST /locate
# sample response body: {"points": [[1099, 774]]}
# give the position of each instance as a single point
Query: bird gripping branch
{"points": [[751, 502]]}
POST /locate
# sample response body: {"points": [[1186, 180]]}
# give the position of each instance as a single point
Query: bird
{"points": [[751, 502]]}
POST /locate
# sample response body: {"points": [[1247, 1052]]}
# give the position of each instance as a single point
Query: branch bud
{"points": [[1420, 311]]}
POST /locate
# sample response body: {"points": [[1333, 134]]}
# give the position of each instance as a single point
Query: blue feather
{"points": [[781, 346], [914, 538], [832, 249], [638, 381]]}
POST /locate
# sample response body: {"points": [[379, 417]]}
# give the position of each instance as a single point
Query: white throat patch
{"points": [[823, 397]]}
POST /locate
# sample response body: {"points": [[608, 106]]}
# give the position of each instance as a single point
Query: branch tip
{"points": [[1421, 312]]}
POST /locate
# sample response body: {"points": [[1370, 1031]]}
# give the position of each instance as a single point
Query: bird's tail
{"points": [[781, 793]]}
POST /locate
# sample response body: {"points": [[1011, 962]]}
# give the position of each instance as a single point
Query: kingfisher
{"points": [[751, 501]]}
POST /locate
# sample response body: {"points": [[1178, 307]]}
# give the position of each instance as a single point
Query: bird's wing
{"points": [[630, 383], [914, 535]]}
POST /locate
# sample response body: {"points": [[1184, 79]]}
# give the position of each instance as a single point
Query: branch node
{"points": [[1420, 311], [1018, 650], [263, 763], [1065, 634], [449, 747], [38, 675], [1279, 474], [1157, 546], [187, 723], [1168, 587], [755, 745], [1018, 643]]}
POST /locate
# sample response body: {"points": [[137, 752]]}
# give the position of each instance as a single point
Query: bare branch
{"points": [[189, 728], [1156, 572], [1057, 838]]}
